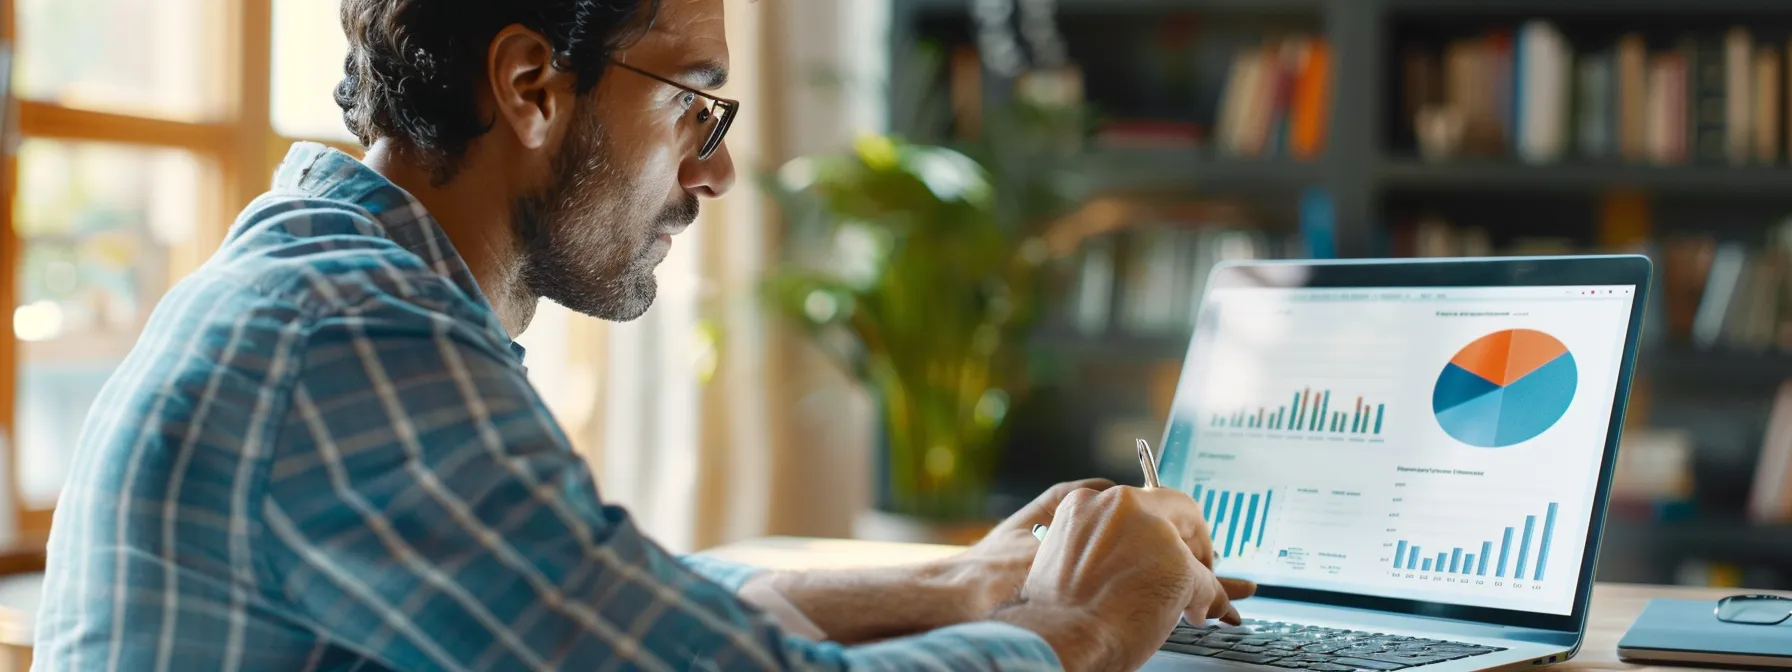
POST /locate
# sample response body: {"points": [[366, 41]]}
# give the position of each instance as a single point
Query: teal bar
{"points": [[1232, 531], [1427, 566], [1505, 548], [1486, 550], [1250, 521], [1455, 560], [1549, 530], [1524, 548], [1378, 410], [1263, 527]]}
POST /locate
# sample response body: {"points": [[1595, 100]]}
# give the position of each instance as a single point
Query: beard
{"points": [[585, 241]]}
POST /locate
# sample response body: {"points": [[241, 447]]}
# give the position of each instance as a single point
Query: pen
{"points": [[1147, 464]]}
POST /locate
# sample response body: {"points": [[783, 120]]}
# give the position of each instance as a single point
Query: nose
{"points": [[708, 178]]}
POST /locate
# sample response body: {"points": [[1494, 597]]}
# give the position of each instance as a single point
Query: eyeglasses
{"points": [[720, 114], [1754, 609]]}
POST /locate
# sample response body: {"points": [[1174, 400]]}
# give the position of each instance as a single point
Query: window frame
{"points": [[241, 146]]}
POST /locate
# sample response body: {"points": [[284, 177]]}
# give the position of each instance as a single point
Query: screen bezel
{"points": [[1632, 270]]}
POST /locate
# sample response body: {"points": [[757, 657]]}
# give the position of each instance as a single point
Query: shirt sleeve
{"points": [[730, 575], [426, 512]]}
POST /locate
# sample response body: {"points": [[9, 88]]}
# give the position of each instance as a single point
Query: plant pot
{"points": [[875, 525]]}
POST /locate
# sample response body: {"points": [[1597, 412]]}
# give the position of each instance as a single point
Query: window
{"points": [[146, 126], [159, 58], [308, 50]]}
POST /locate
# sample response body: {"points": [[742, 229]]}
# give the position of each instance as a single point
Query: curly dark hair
{"points": [[414, 66]]}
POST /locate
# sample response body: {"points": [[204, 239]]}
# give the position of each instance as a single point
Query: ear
{"points": [[526, 87]]}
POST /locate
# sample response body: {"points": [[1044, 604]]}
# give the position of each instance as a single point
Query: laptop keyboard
{"points": [[1305, 647]]}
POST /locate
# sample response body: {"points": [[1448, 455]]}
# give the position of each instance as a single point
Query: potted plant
{"points": [[921, 269]]}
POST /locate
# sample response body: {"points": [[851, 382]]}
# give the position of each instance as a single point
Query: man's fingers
{"points": [[1238, 589], [1219, 605], [1180, 509], [1041, 508]]}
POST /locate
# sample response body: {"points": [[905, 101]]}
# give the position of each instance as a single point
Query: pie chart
{"points": [[1505, 388]]}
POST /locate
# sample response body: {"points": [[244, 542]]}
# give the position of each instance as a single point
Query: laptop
{"points": [[1411, 458]]}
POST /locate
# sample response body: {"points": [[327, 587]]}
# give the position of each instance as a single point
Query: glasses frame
{"points": [[1718, 611], [728, 106]]}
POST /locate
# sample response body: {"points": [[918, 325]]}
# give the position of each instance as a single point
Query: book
{"points": [[1728, 264], [1738, 106], [1633, 98], [1770, 497], [1541, 93], [1765, 121], [1685, 267], [1312, 102], [1685, 631], [1594, 132], [1710, 99]]}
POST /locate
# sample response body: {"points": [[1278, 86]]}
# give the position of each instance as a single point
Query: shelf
{"points": [[1501, 175], [1722, 540], [1733, 369], [1618, 8], [1191, 170], [1122, 6]]}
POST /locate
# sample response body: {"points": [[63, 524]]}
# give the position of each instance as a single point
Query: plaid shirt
{"points": [[324, 454]]}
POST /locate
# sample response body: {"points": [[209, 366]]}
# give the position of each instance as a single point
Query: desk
{"points": [[1615, 606]]}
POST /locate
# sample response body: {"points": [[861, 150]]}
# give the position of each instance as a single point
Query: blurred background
{"points": [[963, 258]]}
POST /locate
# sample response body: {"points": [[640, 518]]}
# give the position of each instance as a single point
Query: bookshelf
{"points": [[1379, 185]]}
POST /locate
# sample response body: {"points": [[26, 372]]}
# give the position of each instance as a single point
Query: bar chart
{"points": [[1311, 411], [1508, 555], [1239, 519]]}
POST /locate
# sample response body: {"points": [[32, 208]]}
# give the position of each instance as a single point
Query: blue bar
{"points": [[1505, 546], [1549, 530], [1412, 558], [1221, 511], [1232, 532], [1427, 564], [1486, 550], [1400, 554], [1207, 508], [1250, 521], [1378, 409], [1197, 493], [1468, 564], [1264, 526], [1441, 559], [1455, 560], [1524, 549]]}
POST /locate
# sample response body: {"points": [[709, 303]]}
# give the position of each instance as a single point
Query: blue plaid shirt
{"points": [[324, 454]]}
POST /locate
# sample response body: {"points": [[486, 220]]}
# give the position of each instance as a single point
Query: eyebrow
{"points": [[707, 75]]}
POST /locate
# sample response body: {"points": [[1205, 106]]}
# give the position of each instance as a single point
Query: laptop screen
{"points": [[1433, 444]]}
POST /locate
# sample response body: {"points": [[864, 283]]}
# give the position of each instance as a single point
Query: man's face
{"points": [[626, 177]]}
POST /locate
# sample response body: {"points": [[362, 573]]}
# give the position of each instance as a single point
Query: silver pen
{"points": [[1147, 464]]}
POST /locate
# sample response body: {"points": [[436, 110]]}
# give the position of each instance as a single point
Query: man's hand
{"points": [[994, 569], [1115, 574]]}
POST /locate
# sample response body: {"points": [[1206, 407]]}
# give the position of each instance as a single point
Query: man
{"points": [[324, 452]]}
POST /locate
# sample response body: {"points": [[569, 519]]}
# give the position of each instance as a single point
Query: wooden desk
{"points": [[1615, 606]]}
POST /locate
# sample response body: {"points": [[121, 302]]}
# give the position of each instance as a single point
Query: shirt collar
{"points": [[328, 173]]}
